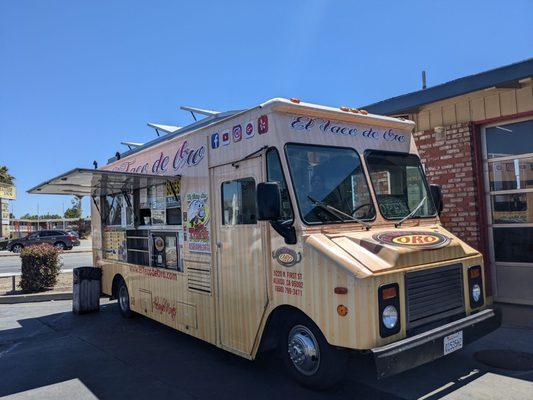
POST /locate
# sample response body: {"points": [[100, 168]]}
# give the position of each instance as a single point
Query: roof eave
{"points": [[499, 77]]}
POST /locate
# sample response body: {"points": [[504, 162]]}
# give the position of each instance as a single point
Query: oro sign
{"points": [[418, 239]]}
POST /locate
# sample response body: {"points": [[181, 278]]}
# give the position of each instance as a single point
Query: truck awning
{"points": [[94, 182]]}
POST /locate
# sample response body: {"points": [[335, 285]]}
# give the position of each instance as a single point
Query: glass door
{"points": [[508, 174]]}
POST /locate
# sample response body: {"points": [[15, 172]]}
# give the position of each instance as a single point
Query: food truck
{"points": [[291, 226]]}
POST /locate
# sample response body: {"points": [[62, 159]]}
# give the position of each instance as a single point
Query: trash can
{"points": [[87, 283]]}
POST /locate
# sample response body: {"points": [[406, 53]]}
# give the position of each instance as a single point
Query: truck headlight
{"points": [[389, 317], [475, 285], [476, 292], [389, 309]]}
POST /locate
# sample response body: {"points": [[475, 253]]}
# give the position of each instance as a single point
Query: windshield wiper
{"points": [[325, 208], [411, 214], [337, 213]]}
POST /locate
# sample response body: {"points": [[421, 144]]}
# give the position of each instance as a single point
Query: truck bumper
{"points": [[428, 346]]}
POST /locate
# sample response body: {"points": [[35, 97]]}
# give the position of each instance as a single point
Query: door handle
{"points": [[219, 245]]}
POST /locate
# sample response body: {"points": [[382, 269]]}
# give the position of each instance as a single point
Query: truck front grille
{"points": [[433, 295]]}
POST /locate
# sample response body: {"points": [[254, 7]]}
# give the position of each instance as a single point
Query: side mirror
{"points": [[436, 194], [268, 201]]}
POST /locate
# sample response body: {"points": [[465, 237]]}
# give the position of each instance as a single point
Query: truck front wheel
{"points": [[124, 299], [308, 356]]}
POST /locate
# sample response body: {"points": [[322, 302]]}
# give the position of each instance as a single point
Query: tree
{"points": [[75, 210], [5, 177], [44, 216]]}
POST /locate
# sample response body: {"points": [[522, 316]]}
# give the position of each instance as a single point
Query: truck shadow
{"points": [[118, 358]]}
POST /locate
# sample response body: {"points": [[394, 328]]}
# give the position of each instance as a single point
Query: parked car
{"points": [[75, 233], [59, 239]]}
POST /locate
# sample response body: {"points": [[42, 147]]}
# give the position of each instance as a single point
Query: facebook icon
{"points": [[214, 141]]}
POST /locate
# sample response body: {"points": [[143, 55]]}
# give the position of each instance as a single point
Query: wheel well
{"points": [[114, 286], [274, 326], [60, 241]]}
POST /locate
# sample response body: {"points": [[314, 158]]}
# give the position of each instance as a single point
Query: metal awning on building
{"points": [[94, 182]]}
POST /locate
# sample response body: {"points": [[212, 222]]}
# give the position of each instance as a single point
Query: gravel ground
{"points": [[64, 283]]}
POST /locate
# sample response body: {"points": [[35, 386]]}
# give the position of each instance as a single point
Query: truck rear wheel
{"points": [[124, 300], [308, 356]]}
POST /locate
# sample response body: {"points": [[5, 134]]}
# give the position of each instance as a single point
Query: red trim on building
{"points": [[481, 204], [505, 118]]}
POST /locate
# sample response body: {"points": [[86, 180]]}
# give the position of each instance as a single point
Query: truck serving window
{"points": [[399, 184], [116, 211], [238, 202], [329, 176], [275, 174]]}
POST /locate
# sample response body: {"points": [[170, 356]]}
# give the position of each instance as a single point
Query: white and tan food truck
{"points": [[289, 225]]}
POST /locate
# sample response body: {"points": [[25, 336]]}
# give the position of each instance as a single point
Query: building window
{"points": [[505, 140], [513, 245], [238, 202], [508, 166]]}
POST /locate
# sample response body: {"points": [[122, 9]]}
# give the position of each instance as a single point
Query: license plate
{"points": [[453, 342]]}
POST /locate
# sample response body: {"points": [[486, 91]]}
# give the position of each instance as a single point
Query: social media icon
{"points": [[262, 124], [215, 141], [225, 138], [249, 130], [237, 133]]}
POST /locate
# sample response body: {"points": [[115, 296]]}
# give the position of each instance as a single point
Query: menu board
{"points": [[198, 215], [173, 193], [158, 217], [115, 245]]}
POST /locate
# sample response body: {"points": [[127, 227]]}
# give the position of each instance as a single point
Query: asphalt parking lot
{"points": [[48, 352], [11, 264]]}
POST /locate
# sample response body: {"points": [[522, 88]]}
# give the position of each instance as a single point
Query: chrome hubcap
{"points": [[303, 350], [123, 297]]}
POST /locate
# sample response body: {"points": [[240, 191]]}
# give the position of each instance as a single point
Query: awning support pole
{"points": [[96, 204], [127, 197]]}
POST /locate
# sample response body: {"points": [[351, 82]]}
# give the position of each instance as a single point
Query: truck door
{"points": [[240, 246]]}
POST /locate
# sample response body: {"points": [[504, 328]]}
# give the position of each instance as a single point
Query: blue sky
{"points": [[76, 78]]}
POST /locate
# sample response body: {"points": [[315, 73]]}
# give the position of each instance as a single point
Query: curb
{"points": [[31, 298], [10, 274], [10, 254]]}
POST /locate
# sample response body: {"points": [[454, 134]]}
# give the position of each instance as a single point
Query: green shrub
{"points": [[40, 267]]}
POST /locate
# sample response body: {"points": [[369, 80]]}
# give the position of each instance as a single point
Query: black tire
{"points": [[323, 371], [123, 297], [17, 248], [60, 245]]}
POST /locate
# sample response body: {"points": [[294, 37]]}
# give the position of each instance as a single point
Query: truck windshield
{"points": [[399, 184], [329, 176]]}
